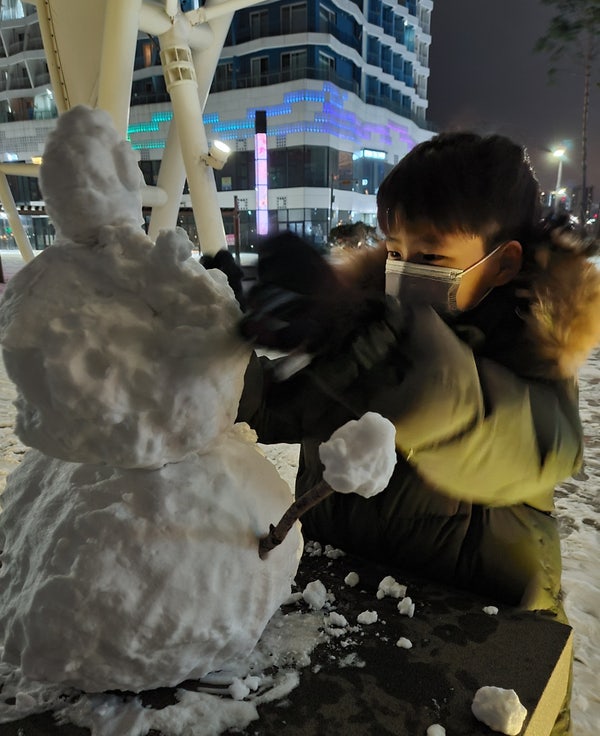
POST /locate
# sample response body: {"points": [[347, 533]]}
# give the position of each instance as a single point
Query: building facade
{"points": [[317, 99]]}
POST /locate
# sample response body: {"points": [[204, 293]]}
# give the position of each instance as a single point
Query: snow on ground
{"points": [[578, 510]]}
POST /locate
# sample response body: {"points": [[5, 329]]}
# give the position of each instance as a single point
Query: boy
{"points": [[472, 355]]}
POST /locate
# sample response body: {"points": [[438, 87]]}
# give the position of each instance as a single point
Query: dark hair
{"points": [[463, 182]]}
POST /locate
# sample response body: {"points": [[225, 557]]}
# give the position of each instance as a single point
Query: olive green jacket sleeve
{"points": [[469, 426], [476, 430]]}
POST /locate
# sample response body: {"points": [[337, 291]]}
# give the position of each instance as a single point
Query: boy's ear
{"points": [[509, 262]]}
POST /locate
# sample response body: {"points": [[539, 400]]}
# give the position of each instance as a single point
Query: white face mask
{"points": [[436, 286]]}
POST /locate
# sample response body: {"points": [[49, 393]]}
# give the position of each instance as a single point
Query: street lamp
{"points": [[558, 153]]}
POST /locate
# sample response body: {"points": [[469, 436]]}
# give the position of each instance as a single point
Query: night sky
{"points": [[485, 76]]}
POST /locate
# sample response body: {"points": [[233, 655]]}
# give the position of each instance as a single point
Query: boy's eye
{"points": [[394, 255], [431, 257]]}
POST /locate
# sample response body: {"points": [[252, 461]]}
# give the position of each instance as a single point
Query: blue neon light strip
{"points": [[164, 117], [333, 119]]}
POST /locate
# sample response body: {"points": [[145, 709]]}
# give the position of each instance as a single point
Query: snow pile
{"points": [[130, 534], [499, 709], [287, 644], [360, 456]]}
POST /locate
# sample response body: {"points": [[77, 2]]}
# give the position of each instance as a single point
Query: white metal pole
{"points": [[559, 174], [180, 79], [118, 55], [558, 183], [205, 63], [14, 220], [206, 59], [171, 178]]}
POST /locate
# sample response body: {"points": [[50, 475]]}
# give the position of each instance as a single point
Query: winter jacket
{"points": [[487, 423]]}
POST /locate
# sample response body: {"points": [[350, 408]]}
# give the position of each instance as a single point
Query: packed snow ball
{"points": [[89, 176], [360, 456], [136, 579], [136, 361], [500, 709]]}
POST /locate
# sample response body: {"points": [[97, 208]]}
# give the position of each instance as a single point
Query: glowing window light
{"points": [[233, 125], [148, 144], [262, 193], [143, 128]]}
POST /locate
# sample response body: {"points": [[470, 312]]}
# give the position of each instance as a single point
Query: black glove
{"points": [[223, 260], [299, 301]]}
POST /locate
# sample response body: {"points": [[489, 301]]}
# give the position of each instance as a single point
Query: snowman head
{"points": [[89, 177]]}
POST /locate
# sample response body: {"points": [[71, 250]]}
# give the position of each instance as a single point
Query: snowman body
{"points": [[130, 533]]}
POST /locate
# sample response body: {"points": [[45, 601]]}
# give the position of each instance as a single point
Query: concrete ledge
{"points": [[457, 648], [383, 690]]}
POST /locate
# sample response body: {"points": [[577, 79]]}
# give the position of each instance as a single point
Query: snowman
{"points": [[129, 531]]}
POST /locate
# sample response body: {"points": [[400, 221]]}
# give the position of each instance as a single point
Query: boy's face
{"points": [[427, 247]]}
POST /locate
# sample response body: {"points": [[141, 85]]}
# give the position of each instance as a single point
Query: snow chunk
{"points": [[367, 617], [490, 610], [406, 607], [315, 594], [352, 579], [337, 619], [238, 689], [360, 456], [499, 709], [333, 553], [313, 549], [388, 586], [436, 730], [404, 643]]}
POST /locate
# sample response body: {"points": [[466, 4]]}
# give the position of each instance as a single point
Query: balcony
{"points": [[286, 75]]}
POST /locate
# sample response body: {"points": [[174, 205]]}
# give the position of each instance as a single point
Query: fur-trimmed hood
{"points": [[555, 322], [562, 288]]}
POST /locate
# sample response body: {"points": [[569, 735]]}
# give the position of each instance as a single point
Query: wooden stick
{"points": [[278, 533]]}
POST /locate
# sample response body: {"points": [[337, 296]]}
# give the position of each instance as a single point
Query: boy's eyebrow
{"points": [[429, 240]]}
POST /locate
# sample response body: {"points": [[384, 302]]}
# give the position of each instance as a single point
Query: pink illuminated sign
{"points": [[262, 192]]}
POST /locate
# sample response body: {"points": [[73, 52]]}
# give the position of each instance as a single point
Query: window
{"points": [[326, 65], [259, 23], [223, 77], [326, 20], [11, 9], [293, 64], [259, 70], [147, 53], [293, 18]]}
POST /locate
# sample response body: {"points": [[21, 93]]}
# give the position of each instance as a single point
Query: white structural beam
{"points": [[181, 82], [171, 176], [211, 11], [90, 49], [14, 220], [171, 179], [20, 169], [121, 25]]}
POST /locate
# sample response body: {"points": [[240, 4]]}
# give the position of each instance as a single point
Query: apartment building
{"points": [[317, 100]]}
